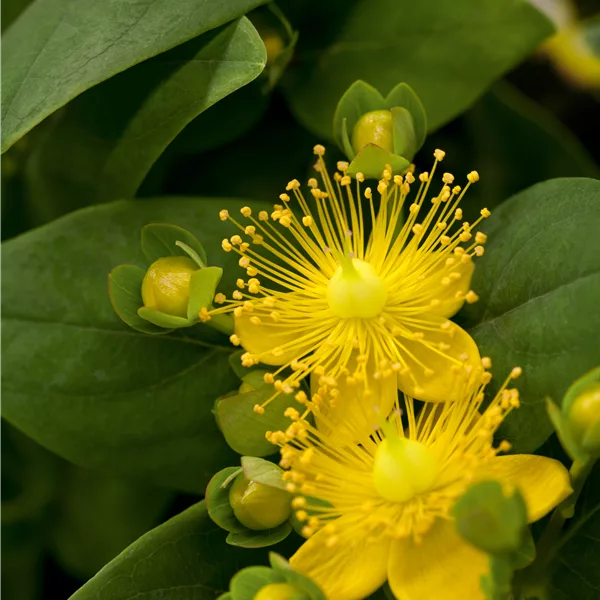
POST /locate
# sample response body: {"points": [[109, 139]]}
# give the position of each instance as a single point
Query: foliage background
{"points": [[134, 413]]}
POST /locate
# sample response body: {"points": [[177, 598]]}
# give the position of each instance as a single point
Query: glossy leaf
{"points": [[101, 394], [186, 557], [250, 538], [106, 141], [203, 284], [57, 49], [539, 284], [449, 53]]}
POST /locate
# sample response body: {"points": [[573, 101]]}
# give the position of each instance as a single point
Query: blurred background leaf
{"points": [[539, 284], [57, 49], [448, 52], [103, 144]]}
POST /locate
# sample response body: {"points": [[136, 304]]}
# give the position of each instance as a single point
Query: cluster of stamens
{"points": [[291, 261]]}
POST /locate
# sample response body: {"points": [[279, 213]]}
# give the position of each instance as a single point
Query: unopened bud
{"points": [[584, 419], [278, 591], [166, 285], [258, 506], [374, 127]]}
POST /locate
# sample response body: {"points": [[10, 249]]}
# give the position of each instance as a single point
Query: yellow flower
{"points": [[326, 299], [382, 509]]}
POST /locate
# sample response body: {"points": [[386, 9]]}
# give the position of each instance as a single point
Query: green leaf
{"points": [[248, 582], [250, 538], [489, 519], [99, 516], [217, 500], [449, 53], [82, 383], [57, 49], [371, 161], [405, 140], [186, 557], [160, 240], [513, 142], [243, 429], [539, 284], [106, 141], [203, 284], [125, 291], [404, 96], [164, 320], [263, 471], [575, 571]]}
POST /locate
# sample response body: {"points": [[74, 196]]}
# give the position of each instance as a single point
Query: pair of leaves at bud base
{"points": [[172, 252], [278, 582], [495, 521], [242, 428], [374, 131], [251, 503], [577, 420]]}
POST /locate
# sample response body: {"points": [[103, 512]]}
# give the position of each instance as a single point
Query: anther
{"points": [[224, 215], [258, 409], [473, 176], [319, 150], [235, 340], [220, 298], [246, 211], [439, 155], [263, 215], [516, 372]]}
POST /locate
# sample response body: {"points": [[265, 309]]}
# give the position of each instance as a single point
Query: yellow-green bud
{"points": [[166, 285], [277, 591], [403, 468], [355, 290], [584, 418], [374, 127], [257, 506]]}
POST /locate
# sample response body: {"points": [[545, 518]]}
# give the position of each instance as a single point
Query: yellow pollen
{"points": [[224, 215]]}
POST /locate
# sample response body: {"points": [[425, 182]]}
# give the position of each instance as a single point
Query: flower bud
{"points": [[166, 285], [584, 419], [258, 506], [277, 591], [374, 127]]}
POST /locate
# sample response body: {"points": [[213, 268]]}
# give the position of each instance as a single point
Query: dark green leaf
{"points": [[185, 558], [125, 290], [82, 383], [58, 48], [539, 284], [160, 240], [106, 141], [448, 52], [98, 516]]}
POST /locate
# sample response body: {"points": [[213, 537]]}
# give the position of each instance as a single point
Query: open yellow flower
{"points": [[381, 509], [326, 299]]}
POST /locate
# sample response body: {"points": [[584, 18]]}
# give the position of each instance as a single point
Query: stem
{"points": [[222, 323]]}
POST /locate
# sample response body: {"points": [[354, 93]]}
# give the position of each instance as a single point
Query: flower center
{"points": [[355, 290], [403, 468]]}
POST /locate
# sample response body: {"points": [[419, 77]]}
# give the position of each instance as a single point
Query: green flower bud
{"points": [[584, 419], [258, 506], [278, 591], [166, 285], [374, 127]]}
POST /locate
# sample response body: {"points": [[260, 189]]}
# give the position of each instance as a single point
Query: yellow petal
{"points": [[350, 570], [442, 567], [544, 482], [261, 339], [356, 412], [443, 384], [449, 304]]}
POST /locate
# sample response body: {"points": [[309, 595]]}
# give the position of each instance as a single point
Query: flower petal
{"points": [[356, 412], [444, 346], [544, 482], [350, 570], [261, 339], [442, 567], [449, 304]]}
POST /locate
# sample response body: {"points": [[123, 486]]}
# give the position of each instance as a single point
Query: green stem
{"points": [[222, 323]]}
